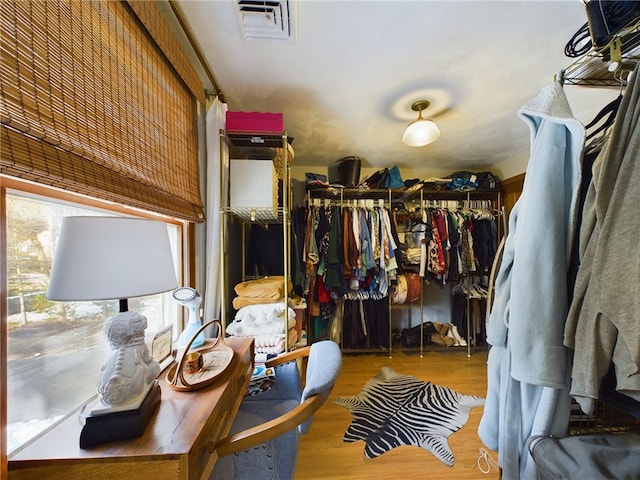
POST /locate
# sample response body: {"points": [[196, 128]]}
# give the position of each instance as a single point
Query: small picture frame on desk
{"points": [[162, 347]]}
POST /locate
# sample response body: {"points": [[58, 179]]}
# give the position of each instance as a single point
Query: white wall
{"points": [[512, 166], [436, 307]]}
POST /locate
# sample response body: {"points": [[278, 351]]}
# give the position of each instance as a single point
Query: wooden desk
{"points": [[177, 443]]}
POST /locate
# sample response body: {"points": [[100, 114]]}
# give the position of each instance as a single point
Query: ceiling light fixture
{"points": [[422, 131]]}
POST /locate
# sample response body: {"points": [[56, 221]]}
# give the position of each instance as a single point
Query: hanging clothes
{"points": [[435, 252], [335, 260], [484, 242], [265, 249], [356, 250], [443, 243], [345, 249], [473, 297], [467, 254], [528, 365], [602, 325], [597, 137], [453, 270], [366, 323]]}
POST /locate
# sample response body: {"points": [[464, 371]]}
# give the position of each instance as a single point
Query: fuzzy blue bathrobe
{"points": [[528, 365]]}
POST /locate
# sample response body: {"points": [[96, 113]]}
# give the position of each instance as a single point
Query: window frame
{"points": [[8, 186]]}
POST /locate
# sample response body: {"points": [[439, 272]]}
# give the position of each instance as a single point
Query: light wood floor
{"points": [[323, 454]]}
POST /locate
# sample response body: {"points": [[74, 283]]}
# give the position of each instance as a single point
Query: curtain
{"points": [[215, 121]]}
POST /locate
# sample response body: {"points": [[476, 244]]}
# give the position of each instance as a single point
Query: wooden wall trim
{"points": [[513, 180], [511, 188]]}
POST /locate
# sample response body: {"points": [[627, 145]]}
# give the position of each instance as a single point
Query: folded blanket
{"points": [[274, 343], [267, 340], [258, 319], [268, 343], [294, 302], [240, 302], [267, 287]]}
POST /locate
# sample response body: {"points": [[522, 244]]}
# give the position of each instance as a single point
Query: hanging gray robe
{"points": [[603, 323]]}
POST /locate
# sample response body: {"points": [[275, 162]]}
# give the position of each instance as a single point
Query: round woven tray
{"points": [[216, 357]]}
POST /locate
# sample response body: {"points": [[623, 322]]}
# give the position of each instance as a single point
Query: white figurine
{"points": [[130, 368]]}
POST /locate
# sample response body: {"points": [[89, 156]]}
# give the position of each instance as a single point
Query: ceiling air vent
{"points": [[268, 19]]}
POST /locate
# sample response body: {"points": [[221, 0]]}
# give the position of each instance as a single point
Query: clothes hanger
{"points": [[609, 111], [611, 108]]}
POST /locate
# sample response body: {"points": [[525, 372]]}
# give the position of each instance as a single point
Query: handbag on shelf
{"points": [[376, 180]]}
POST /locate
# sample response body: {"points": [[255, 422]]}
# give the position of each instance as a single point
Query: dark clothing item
{"points": [[366, 323], [484, 244], [265, 251], [454, 248]]}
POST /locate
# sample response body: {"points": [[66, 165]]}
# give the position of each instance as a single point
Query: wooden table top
{"points": [[171, 430]]}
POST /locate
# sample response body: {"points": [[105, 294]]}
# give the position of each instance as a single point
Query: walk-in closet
{"points": [[405, 232]]}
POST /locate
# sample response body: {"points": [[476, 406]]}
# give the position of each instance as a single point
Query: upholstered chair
{"points": [[264, 438]]}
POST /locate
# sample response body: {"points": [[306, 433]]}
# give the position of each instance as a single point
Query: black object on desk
{"points": [[124, 425]]}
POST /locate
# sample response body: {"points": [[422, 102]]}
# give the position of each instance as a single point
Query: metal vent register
{"points": [[268, 19]]}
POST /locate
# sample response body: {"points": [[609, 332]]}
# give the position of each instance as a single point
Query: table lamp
{"points": [[106, 258]]}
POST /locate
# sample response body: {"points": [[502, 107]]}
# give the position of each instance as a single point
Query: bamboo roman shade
{"points": [[100, 100]]}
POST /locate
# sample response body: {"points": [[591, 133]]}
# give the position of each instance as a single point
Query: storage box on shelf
{"points": [[253, 186], [254, 122]]}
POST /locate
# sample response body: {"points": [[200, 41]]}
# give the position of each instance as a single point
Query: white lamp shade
{"points": [[105, 258], [420, 133]]}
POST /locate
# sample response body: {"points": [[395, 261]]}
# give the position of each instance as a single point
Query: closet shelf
{"points": [[256, 215], [238, 138], [592, 69], [400, 195], [259, 145], [350, 193]]}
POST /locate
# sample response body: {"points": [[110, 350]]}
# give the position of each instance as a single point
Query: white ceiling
{"points": [[346, 85]]}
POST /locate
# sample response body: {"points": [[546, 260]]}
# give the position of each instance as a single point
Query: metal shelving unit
{"points": [[250, 144]]}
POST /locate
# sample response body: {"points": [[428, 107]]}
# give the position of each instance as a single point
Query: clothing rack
{"points": [[369, 203], [408, 206], [478, 208]]}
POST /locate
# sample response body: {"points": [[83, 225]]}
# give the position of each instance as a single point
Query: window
{"points": [[113, 118], [56, 350]]}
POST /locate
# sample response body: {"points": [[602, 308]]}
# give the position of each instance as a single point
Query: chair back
{"points": [[323, 367]]}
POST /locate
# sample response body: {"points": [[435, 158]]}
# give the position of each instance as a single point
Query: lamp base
{"points": [[122, 425]]}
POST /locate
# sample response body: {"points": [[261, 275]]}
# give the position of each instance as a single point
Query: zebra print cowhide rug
{"points": [[393, 410]]}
